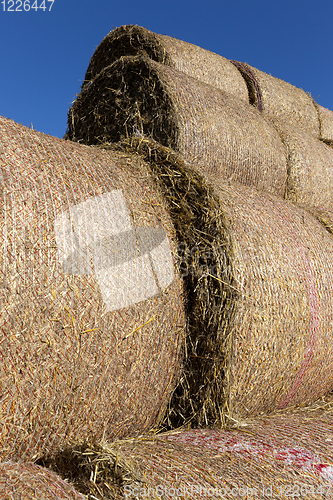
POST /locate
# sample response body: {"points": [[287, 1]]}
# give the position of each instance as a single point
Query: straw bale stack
{"points": [[278, 99], [28, 481], [258, 274], [310, 172], [217, 133], [285, 456], [326, 124], [92, 313], [193, 60]]}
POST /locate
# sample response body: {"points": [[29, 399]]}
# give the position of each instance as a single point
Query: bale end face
{"points": [[125, 99], [127, 40]]}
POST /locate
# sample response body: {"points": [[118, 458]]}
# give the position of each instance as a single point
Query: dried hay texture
{"points": [[92, 313], [27, 481], [280, 457], [279, 99], [310, 172], [326, 124], [258, 274], [220, 135], [194, 61]]}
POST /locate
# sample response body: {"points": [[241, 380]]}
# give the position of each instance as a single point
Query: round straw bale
{"points": [[92, 315], [310, 172], [217, 133], [193, 60], [259, 277], [29, 481], [279, 99], [282, 260], [326, 124], [279, 457]]}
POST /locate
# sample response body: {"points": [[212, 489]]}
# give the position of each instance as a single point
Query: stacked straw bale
{"points": [[258, 274], [193, 60], [285, 456], [279, 99], [326, 124], [27, 481], [275, 97], [92, 313], [310, 172], [217, 133]]}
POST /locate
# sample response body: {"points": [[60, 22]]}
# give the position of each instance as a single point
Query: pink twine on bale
{"points": [[314, 318], [238, 444]]}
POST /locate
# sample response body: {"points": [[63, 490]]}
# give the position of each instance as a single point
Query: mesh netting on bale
{"points": [[27, 481], [285, 456], [193, 60], [279, 99], [326, 124], [92, 313], [310, 172], [214, 131], [258, 274]]}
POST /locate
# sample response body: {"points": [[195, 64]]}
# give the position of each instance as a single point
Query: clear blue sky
{"points": [[44, 55]]}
